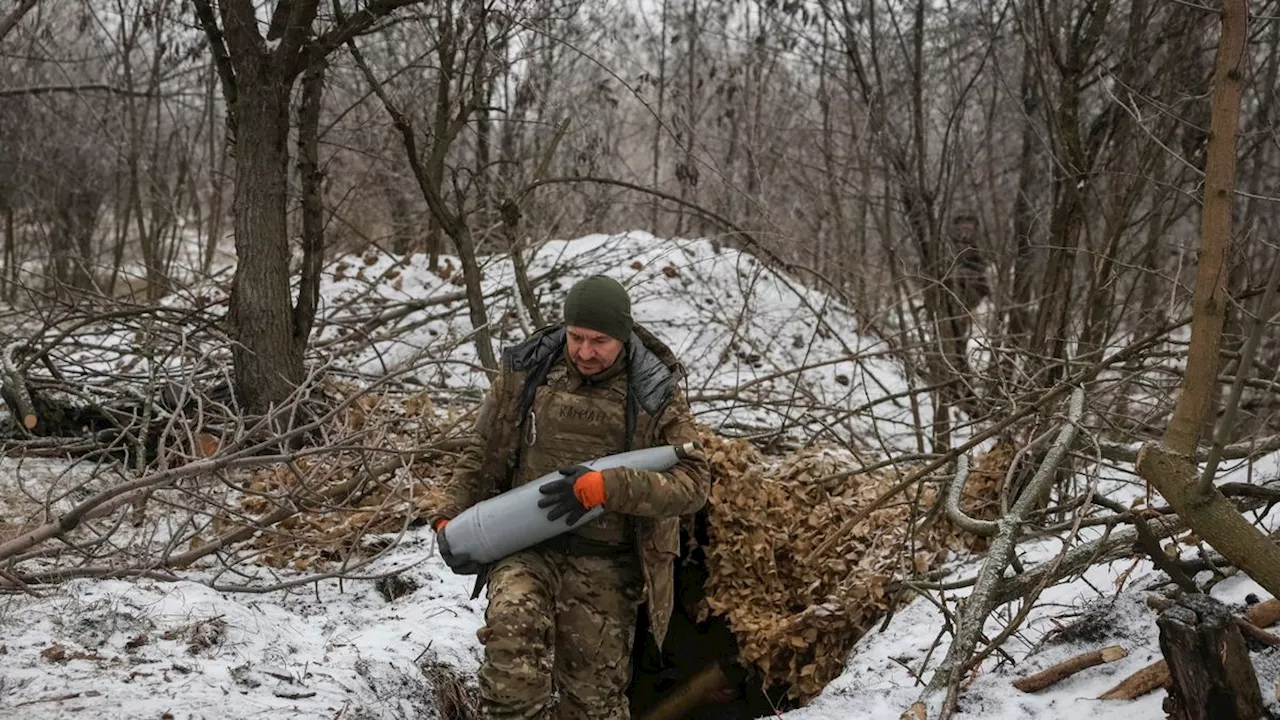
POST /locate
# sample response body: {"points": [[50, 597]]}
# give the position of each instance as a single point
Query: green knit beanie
{"points": [[599, 303]]}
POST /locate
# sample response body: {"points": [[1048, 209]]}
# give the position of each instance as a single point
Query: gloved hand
{"points": [[578, 491], [461, 563]]}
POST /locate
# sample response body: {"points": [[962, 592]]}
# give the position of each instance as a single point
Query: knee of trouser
{"points": [[517, 624]]}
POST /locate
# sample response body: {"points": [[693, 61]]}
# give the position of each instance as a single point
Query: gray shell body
{"points": [[512, 521]]}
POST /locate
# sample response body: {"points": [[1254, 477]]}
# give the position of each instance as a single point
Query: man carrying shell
{"points": [[561, 615]]}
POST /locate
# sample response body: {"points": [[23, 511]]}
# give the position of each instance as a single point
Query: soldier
{"points": [[562, 614]]}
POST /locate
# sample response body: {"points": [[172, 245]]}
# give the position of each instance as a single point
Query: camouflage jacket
{"points": [[540, 415]]}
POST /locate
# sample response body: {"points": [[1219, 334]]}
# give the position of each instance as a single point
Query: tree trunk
{"points": [[1023, 210], [304, 312], [659, 120], [10, 264], [268, 362], [1213, 678], [217, 173]]}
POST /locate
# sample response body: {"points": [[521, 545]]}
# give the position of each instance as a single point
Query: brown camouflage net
{"points": [[796, 615]]}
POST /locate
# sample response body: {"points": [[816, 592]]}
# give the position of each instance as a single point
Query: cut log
{"points": [[1148, 679], [1069, 667], [1256, 632], [1212, 676], [1264, 614]]}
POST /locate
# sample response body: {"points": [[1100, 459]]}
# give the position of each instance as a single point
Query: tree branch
{"points": [[352, 25], [978, 606], [304, 311], [300, 15], [218, 47], [984, 528], [1169, 466], [1210, 301], [10, 21], [405, 127], [240, 28], [88, 87]]}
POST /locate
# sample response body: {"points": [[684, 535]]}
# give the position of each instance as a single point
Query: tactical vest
{"points": [[564, 420]]}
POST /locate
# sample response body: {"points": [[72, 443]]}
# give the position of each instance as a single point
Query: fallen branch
{"points": [[1081, 557], [1256, 632], [978, 606], [1251, 448], [1067, 668], [1148, 679], [82, 88], [984, 528]]}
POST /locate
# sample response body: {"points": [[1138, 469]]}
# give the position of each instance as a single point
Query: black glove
{"points": [[560, 497], [461, 563]]}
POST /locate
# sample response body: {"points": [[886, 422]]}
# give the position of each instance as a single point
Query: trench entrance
{"points": [[680, 667]]}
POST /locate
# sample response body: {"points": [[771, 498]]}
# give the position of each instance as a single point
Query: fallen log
{"points": [[14, 389], [1212, 675], [1069, 667], [1148, 679]]}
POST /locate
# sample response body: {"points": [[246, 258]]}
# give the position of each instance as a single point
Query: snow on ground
{"points": [[1105, 606], [144, 648], [147, 648]]}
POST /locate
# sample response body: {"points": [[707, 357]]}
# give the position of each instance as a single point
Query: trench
{"points": [[691, 647]]}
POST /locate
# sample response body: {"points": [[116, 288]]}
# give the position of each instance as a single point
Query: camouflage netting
{"points": [[797, 614]]}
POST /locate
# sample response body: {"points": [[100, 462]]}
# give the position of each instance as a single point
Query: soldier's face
{"points": [[593, 352]]}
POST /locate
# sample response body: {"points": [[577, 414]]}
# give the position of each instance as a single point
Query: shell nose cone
{"points": [[685, 450]]}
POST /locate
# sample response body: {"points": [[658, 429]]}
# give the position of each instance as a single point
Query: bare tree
{"points": [[257, 83], [1170, 465]]}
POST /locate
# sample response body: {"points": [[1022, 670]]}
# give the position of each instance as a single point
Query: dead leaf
{"points": [[54, 653]]}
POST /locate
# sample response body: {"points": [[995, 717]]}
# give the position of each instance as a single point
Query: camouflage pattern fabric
{"points": [[581, 611], [570, 418]]}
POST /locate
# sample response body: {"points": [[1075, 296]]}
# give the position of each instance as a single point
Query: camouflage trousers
{"points": [[562, 622]]}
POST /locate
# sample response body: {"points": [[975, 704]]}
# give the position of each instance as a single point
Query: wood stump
{"points": [[1213, 678]]}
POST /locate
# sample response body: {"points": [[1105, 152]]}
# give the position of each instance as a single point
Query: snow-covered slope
{"points": [[761, 351]]}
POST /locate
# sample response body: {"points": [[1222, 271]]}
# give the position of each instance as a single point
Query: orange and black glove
{"points": [[460, 563], [573, 495]]}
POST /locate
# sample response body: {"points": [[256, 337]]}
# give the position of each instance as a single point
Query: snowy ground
{"points": [[153, 649], [141, 649]]}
